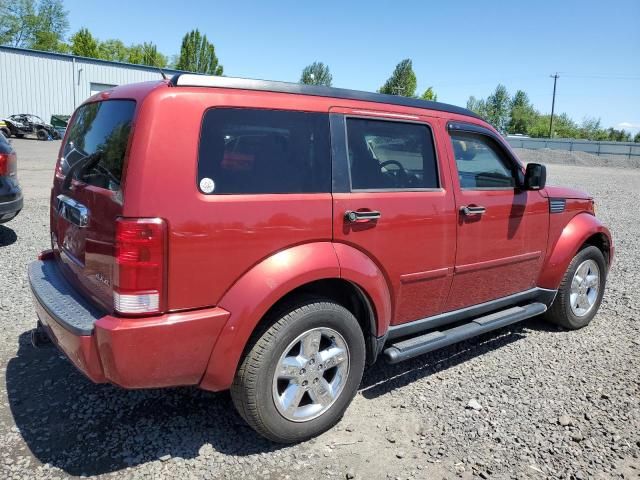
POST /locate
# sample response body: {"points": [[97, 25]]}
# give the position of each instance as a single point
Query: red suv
{"points": [[274, 238]]}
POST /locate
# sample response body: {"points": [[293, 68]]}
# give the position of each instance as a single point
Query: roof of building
{"points": [[169, 71], [181, 78], [195, 80]]}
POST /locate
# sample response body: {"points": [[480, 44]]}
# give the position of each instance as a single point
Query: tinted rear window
{"points": [[103, 128], [264, 151]]}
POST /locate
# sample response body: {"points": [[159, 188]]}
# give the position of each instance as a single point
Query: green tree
{"points": [[402, 81], [316, 74], [636, 139], [429, 94], [522, 115], [146, 54], [477, 106], [113, 50], [498, 107], [17, 22], [563, 127], [84, 45], [590, 129], [37, 24], [197, 54], [51, 25]]}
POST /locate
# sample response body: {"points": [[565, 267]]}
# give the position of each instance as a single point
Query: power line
{"points": [[602, 76]]}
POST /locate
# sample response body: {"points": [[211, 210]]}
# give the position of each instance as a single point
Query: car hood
{"points": [[565, 192]]}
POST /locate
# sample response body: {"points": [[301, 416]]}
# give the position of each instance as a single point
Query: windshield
{"points": [[101, 128]]}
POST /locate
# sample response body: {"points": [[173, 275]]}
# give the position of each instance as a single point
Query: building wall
{"points": [[44, 84]]}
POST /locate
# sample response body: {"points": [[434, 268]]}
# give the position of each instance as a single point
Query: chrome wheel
{"points": [[585, 287], [311, 374]]}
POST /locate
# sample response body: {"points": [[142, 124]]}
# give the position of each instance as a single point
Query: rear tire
{"points": [[581, 290], [301, 372]]}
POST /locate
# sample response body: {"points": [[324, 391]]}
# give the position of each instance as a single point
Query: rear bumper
{"points": [[10, 208], [161, 351]]}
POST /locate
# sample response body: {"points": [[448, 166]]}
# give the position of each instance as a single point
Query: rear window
{"points": [[264, 151], [101, 129]]}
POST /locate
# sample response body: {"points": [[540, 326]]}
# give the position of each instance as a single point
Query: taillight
{"points": [[139, 277], [8, 164]]}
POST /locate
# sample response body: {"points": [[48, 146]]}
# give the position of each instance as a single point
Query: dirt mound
{"points": [[546, 155]]}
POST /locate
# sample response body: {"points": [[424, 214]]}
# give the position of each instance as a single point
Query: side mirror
{"points": [[535, 177]]}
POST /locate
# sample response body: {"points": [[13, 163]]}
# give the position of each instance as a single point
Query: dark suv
{"points": [[10, 192], [274, 238]]}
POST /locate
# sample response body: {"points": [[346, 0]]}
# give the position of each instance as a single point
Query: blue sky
{"points": [[461, 48]]}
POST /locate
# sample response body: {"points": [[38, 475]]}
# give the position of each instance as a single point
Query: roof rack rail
{"points": [[194, 80]]}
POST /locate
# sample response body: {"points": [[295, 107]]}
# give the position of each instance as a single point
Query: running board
{"points": [[413, 347]]}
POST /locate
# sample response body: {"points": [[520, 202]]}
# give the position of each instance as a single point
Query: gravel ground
{"points": [[530, 401], [583, 159]]}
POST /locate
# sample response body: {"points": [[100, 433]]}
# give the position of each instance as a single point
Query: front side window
{"points": [[264, 151], [99, 136], [390, 155], [480, 163]]}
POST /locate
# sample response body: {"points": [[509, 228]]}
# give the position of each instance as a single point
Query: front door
{"points": [[392, 202], [502, 229]]}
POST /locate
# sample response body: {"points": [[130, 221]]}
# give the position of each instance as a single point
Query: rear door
{"points": [[502, 229], [392, 201], [83, 216]]}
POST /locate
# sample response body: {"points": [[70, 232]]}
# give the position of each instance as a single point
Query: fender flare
{"points": [[265, 283], [272, 279], [572, 237], [358, 268]]}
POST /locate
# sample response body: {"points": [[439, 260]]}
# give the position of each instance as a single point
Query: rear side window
{"points": [[264, 151], [390, 155], [100, 130]]}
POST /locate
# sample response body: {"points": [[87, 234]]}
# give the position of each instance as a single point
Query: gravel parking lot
{"points": [[548, 403]]}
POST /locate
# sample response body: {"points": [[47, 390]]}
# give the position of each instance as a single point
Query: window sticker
{"points": [[207, 185]]}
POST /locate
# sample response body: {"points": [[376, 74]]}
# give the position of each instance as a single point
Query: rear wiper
{"points": [[79, 166]]}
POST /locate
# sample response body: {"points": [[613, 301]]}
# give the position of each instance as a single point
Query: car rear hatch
{"points": [[87, 196]]}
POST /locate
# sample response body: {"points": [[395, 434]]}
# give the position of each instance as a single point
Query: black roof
{"points": [[182, 79]]}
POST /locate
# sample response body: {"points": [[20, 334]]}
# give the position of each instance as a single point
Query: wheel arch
{"points": [[309, 269], [583, 229]]}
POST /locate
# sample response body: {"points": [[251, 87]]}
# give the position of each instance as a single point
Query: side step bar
{"points": [[413, 347]]}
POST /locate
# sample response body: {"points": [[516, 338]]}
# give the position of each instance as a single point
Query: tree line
{"points": [[515, 115], [44, 24], [512, 115], [403, 80]]}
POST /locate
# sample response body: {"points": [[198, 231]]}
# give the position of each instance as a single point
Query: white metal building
{"points": [[46, 84]]}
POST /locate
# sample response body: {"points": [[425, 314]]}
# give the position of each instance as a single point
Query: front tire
{"points": [[581, 290], [300, 374]]}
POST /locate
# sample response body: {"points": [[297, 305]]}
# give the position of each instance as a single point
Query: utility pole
{"points": [[553, 102]]}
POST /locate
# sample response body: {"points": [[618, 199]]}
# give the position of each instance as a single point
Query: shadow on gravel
{"points": [[87, 429], [7, 236], [383, 378], [83, 428]]}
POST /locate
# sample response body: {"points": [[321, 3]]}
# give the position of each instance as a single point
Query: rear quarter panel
{"points": [[213, 239]]}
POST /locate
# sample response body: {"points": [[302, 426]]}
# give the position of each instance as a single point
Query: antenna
{"points": [[164, 77]]}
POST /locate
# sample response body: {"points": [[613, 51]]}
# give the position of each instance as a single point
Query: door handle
{"points": [[472, 210], [72, 211], [352, 216]]}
